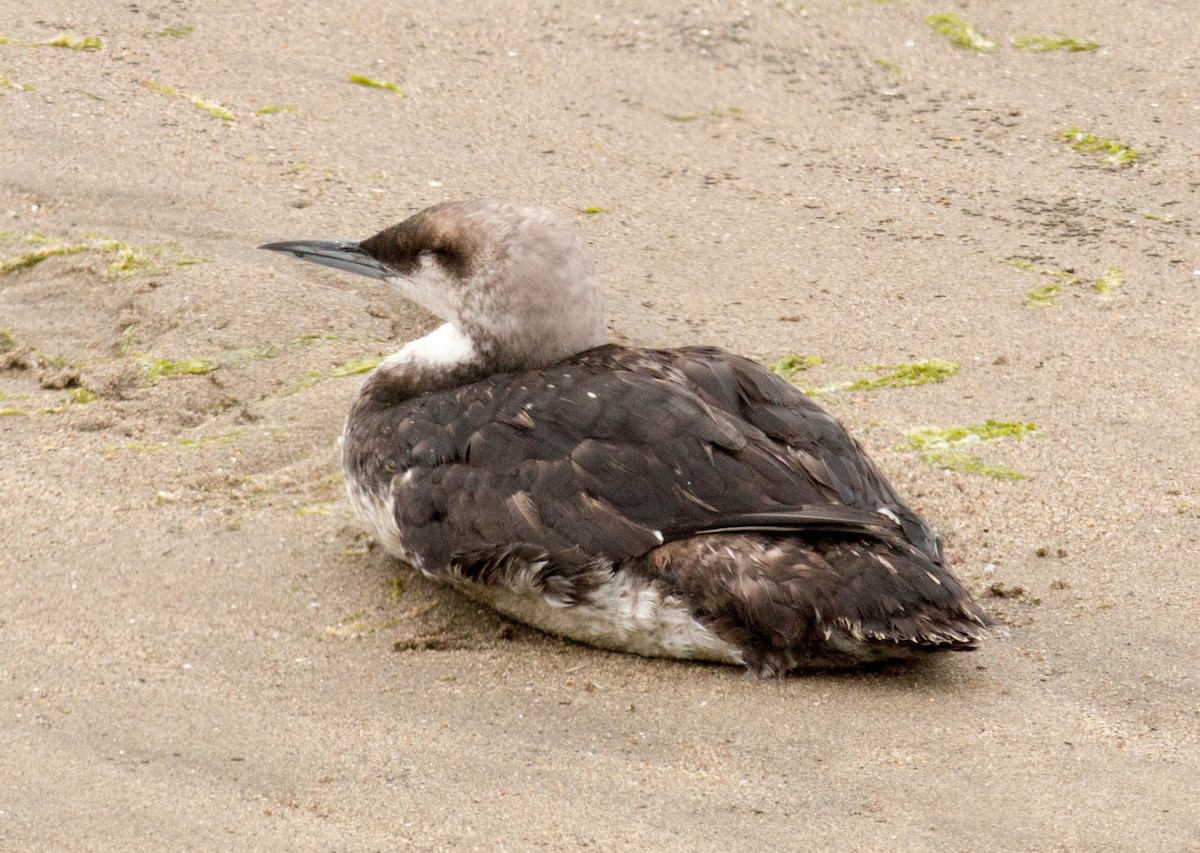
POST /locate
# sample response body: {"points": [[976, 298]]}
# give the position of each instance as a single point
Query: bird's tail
{"points": [[790, 602]]}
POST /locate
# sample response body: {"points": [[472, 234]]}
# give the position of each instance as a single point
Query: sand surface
{"points": [[200, 651]]}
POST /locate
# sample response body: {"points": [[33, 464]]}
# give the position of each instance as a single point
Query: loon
{"points": [[683, 503]]}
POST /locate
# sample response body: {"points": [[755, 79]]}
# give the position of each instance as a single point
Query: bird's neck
{"points": [[444, 347], [445, 358]]}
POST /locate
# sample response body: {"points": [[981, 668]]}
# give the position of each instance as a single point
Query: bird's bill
{"points": [[339, 254]]}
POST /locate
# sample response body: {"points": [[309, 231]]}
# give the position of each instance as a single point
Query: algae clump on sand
{"points": [[346, 368], [158, 367], [129, 259], [1109, 283], [907, 375], [376, 83], [211, 107], [1043, 44], [790, 365], [960, 32], [943, 448], [67, 40], [1113, 152]]}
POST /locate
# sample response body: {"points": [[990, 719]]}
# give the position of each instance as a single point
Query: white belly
{"points": [[623, 614]]}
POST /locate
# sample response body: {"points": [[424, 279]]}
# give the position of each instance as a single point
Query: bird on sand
{"points": [[683, 503]]}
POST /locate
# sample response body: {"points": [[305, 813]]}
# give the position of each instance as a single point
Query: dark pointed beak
{"points": [[339, 254]]}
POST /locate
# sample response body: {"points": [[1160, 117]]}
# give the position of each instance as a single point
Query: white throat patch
{"points": [[445, 346]]}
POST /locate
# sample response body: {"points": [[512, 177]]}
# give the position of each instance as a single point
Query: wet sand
{"points": [[199, 650]]}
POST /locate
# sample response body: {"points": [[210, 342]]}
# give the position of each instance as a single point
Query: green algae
{"points": [[271, 109], [211, 107], [81, 396], [314, 509], [159, 367], [34, 257], [906, 375], [355, 366], [1030, 266], [127, 342], [790, 365], [942, 448], [989, 430], [8, 83], [128, 259], [965, 463], [887, 65], [1114, 153], [7, 342], [1165, 218], [171, 32], [1109, 283], [1047, 295], [56, 361], [959, 32], [192, 443], [1043, 44], [355, 626], [683, 118], [346, 368], [13, 413], [67, 40], [375, 83], [593, 210]]}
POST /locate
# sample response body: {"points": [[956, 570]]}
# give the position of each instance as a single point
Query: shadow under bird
{"points": [[684, 503]]}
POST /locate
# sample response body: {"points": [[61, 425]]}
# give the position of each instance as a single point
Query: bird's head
{"points": [[512, 281]]}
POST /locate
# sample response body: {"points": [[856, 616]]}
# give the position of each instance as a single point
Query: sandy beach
{"points": [[199, 648]]}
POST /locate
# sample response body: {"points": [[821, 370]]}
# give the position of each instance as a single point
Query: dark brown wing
{"points": [[606, 456], [827, 453]]}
